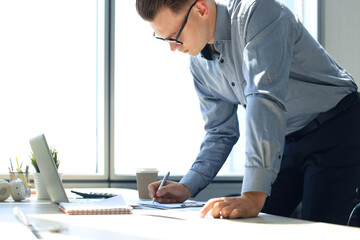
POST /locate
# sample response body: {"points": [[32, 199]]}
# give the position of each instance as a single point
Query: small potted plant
{"points": [[54, 154], [39, 186]]}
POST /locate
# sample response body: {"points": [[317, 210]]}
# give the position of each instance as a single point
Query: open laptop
{"points": [[48, 170], [49, 173]]}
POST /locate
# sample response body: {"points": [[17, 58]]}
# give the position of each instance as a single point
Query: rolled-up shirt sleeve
{"points": [[266, 68], [222, 132]]}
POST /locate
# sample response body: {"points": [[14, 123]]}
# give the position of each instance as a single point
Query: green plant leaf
{"points": [[54, 154]]}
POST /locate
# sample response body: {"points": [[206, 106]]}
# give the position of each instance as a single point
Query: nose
{"points": [[174, 46]]}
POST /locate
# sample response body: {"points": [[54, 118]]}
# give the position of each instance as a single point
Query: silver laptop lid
{"points": [[48, 170]]}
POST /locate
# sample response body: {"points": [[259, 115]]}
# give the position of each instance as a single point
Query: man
{"points": [[302, 108]]}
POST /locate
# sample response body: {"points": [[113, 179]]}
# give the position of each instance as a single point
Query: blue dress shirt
{"points": [[267, 62]]}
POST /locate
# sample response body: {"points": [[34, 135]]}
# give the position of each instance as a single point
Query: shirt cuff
{"points": [[194, 182], [258, 179]]}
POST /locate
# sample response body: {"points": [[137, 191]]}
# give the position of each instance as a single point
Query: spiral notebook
{"points": [[113, 205]]}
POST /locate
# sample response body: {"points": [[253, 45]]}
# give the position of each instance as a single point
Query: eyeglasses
{"points": [[176, 41]]}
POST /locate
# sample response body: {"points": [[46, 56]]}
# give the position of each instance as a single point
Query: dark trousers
{"points": [[321, 170]]}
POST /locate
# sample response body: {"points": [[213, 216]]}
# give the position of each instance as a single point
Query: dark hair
{"points": [[147, 9]]}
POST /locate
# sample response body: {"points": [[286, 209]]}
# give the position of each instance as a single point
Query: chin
{"points": [[193, 53], [190, 52]]}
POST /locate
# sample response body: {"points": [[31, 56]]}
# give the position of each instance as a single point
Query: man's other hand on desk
{"points": [[171, 192], [248, 205]]}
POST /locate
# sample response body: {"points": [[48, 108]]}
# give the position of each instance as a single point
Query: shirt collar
{"points": [[222, 28], [223, 23], [207, 52]]}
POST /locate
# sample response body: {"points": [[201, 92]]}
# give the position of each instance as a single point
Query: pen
{"points": [[12, 169], [12, 174], [17, 162], [162, 183]]}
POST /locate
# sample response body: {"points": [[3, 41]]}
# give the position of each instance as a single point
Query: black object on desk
{"points": [[94, 194]]}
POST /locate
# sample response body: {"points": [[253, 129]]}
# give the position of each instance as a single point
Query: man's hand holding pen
{"points": [[170, 192]]}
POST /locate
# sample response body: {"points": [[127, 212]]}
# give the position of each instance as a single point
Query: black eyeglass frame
{"points": [[176, 41]]}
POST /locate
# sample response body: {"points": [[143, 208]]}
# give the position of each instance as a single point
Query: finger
{"points": [[217, 210], [162, 191], [166, 200], [235, 213], [226, 211], [208, 206], [152, 187], [166, 191]]}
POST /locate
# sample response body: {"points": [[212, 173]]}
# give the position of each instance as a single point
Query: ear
{"points": [[202, 8]]}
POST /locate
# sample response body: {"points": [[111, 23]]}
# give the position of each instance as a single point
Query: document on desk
{"points": [[113, 205], [186, 204]]}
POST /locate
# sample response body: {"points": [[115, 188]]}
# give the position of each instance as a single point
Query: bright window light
{"points": [[51, 61]]}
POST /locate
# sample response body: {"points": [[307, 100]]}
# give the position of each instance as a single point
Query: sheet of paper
{"points": [[157, 205]]}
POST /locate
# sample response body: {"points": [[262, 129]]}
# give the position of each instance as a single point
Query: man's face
{"points": [[167, 25]]}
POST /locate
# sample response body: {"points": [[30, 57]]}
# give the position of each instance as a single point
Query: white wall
{"points": [[340, 33]]}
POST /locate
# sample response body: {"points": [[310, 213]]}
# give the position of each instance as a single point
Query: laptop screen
{"points": [[48, 170]]}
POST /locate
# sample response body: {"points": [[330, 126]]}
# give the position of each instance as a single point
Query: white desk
{"points": [[162, 224]]}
